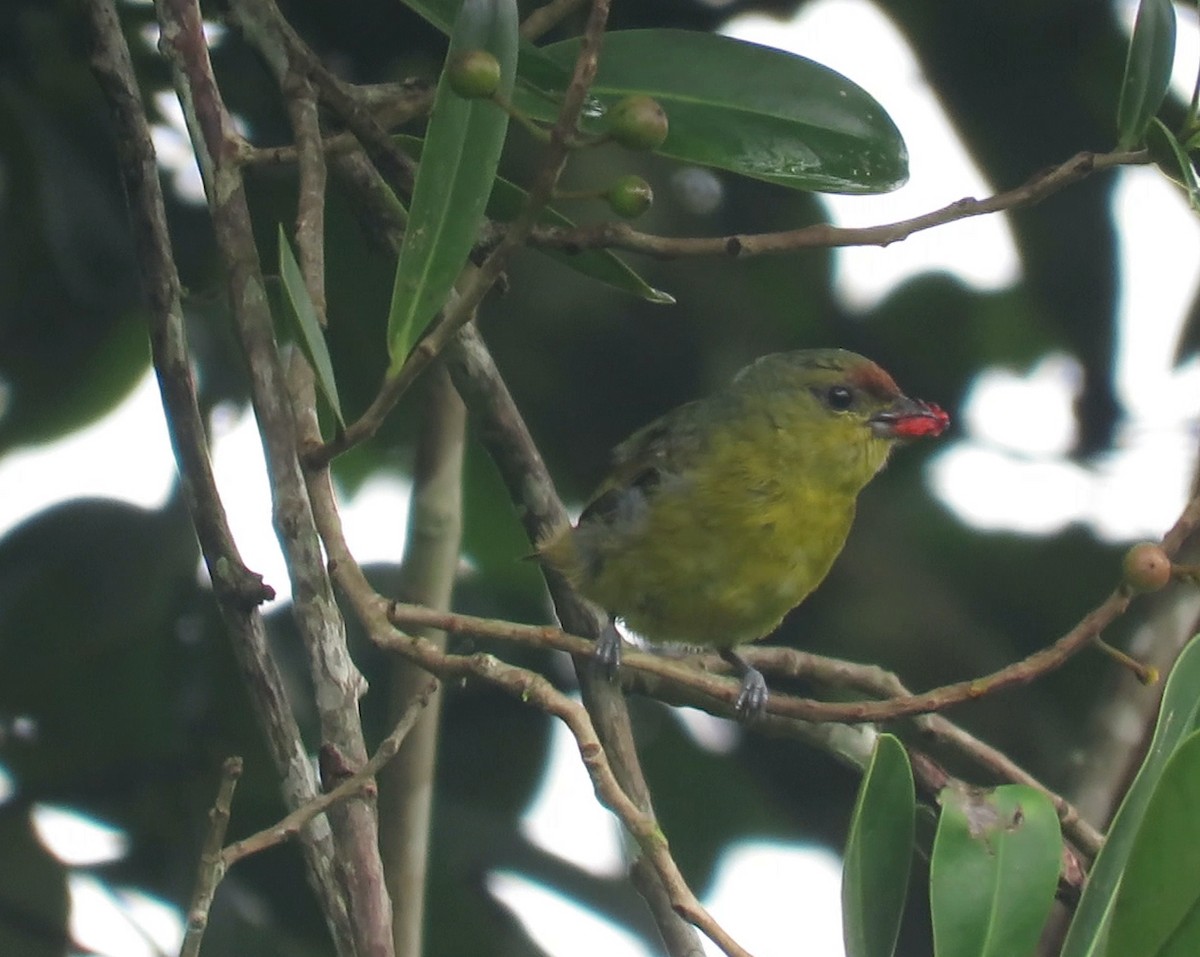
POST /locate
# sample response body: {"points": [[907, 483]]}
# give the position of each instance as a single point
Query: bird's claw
{"points": [[752, 696], [608, 652]]}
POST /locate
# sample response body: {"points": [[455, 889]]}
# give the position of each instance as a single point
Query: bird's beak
{"points": [[909, 418]]}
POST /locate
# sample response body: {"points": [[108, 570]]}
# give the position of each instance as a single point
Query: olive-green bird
{"points": [[723, 515]]}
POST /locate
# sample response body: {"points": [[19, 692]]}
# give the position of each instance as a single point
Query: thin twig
{"points": [[299, 97], [884, 684], [310, 201], [266, 27], [619, 235], [360, 780], [212, 865], [724, 690], [215, 861], [391, 104], [1081, 832]]}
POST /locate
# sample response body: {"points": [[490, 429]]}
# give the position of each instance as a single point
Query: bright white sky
{"points": [[1005, 470]]}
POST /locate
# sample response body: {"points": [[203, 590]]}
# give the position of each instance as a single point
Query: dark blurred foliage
{"points": [[109, 644]]}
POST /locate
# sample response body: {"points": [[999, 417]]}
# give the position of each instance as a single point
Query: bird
{"points": [[723, 515]]}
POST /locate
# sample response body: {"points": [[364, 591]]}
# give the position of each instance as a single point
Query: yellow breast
{"points": [[721, 554]]}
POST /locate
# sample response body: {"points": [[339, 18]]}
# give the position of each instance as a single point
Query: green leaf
{"points": [[993, 872], [440, 13], [506, 202], [1147, 70], [749, 109], [303, 313], [879, 853], [458, 167], [1178, 718], [1172, 158], [1157, 911]]}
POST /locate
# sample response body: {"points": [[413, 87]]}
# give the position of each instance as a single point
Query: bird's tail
{"points": [[559, 550]]}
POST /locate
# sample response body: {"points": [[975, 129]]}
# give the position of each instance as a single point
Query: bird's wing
{"points": [[658, 453]]}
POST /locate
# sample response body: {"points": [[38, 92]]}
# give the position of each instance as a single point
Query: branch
{"points": [[238, 590], [723, 691], [668, 678], [428, 570], [620, 235], [215, 861], [212, 866], [338, 683], [300, 99], [267, 29], [361, 780], [795, 664], [390, 104], [882, 683]]}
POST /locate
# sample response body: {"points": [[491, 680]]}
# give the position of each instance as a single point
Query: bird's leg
{"points": [[608, 651], [752, 698]]}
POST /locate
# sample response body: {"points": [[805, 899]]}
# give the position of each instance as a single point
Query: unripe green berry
{"points": [[629, 196], [638, 123], [1146, 567], [474, 74]]}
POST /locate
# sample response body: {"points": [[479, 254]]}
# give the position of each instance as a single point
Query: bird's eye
{"points": [[839, 398]]}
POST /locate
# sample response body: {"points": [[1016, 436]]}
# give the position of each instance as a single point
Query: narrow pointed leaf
{"points": [[1178, 717], [312, 337], [1172, 158], [440, 13], [878, 855], [1147, 70], [458, 167], [993, 872], [1157, 911], [749, 109]]}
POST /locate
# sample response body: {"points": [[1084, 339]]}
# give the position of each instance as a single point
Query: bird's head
{"points": [[846, 408]]}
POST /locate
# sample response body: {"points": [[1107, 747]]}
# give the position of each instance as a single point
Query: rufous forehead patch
{"points": [[871, 378]]}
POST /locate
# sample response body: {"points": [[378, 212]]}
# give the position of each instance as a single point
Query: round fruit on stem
{"points": [[638, 122], [1146, 567], [629, 196]]}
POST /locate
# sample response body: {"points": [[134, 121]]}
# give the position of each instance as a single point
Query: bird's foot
{"points": [[608, 652], [752, 696]]}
